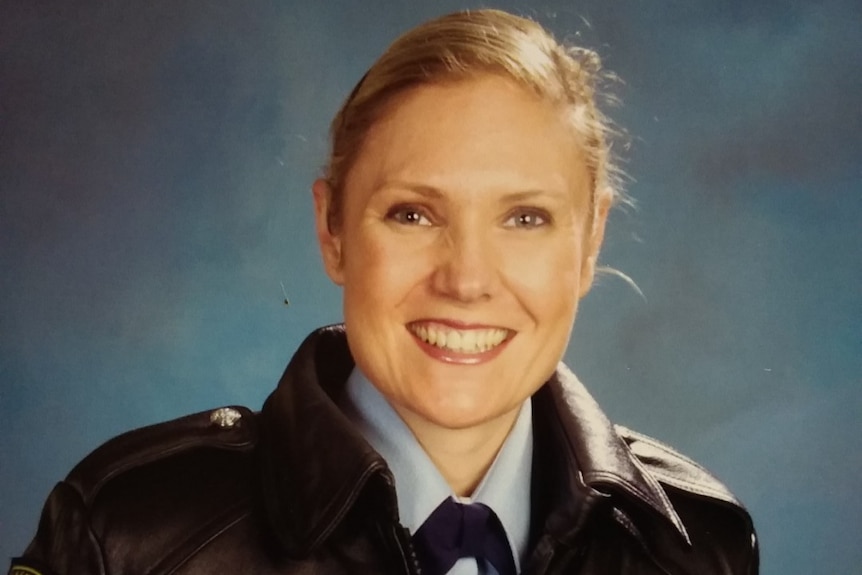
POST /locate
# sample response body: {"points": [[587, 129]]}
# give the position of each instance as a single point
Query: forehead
{"points": [[480, 132]]}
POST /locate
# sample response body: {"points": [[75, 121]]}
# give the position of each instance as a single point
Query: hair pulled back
{"points": [[461, 46]]}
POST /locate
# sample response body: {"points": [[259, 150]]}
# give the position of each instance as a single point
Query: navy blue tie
{"points": [[456, 530]]}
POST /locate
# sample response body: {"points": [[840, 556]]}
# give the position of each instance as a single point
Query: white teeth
{"points": [[463, 341], [469, 340], [453, 340]]}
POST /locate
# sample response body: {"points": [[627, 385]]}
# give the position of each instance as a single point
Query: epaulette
{"points": [[672, 468], [231, 428]]}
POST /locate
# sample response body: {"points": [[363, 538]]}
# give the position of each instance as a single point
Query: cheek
{"points": [[546, 273], [381, 269]]}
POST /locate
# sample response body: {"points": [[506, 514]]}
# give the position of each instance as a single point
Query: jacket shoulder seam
{"points": [[145, 445]]}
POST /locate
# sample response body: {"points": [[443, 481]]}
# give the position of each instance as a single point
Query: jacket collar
{"points": [[315, 466], [599, 461]]}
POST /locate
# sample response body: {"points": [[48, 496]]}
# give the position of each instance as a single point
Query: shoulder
{"points": [[714, 518], [181, 482], [211, 436], [673, 468]]}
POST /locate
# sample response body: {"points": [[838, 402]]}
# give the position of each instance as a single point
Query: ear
{"points": [[329, 241], [594, 240]]}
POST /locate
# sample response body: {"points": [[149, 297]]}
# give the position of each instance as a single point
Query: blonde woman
{"points": [[436, 431]]}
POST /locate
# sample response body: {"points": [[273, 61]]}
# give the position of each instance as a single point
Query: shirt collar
{"points": [[420, 487]]}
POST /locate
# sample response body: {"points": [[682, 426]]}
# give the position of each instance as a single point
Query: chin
{"points": [[461, 415]]}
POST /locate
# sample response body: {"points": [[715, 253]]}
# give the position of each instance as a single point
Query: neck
{"points": [[463, 456]]}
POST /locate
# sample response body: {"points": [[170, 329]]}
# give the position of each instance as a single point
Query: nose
{"points": [[466, 269]]}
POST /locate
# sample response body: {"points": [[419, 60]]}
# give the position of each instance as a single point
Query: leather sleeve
{"points": [[64, 543]]}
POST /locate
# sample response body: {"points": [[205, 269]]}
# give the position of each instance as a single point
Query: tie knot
{"points": [[455, 530]]}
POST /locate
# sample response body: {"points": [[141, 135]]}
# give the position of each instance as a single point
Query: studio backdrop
{"points": [[155, 212]]}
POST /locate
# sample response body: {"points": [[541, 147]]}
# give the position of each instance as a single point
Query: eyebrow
{"points": [[532, 194], [431, 192], [421, 189]]}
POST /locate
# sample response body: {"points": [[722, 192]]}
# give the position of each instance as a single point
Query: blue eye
{"points": [[408, 216]]}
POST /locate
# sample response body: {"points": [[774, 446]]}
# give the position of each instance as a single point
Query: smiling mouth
{"points": [[466, 341]]}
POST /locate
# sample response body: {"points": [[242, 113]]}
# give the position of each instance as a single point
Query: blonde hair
{"points": [[465, 44]]}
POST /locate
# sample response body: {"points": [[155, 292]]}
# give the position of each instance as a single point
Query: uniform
{"points": [[295, 489]]}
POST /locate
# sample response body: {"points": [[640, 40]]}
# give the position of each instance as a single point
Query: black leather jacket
{"points": [[295, 489]]}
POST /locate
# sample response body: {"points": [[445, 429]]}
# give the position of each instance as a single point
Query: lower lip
{"points": [[449, 356]]}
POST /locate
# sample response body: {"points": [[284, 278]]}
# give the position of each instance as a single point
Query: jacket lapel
{"points": [[314, 465], [599, 458]]}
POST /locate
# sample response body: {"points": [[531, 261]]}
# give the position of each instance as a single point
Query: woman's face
{"points": [[464, 246]]}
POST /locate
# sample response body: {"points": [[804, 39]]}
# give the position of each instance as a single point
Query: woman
{"points": [[462, 212]]}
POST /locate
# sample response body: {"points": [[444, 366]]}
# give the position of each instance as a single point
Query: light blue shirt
{"points": [[420, 487]]}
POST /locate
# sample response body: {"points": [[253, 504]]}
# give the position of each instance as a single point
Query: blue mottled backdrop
{"points": [[155, 163]]}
